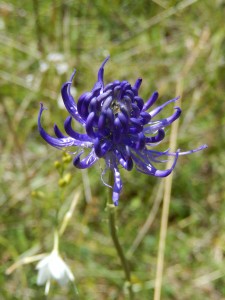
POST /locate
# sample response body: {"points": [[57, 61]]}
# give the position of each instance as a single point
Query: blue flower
{"points": [[118, 128]]}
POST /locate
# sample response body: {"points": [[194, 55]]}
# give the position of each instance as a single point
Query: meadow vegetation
{"points": [[178, 48]]}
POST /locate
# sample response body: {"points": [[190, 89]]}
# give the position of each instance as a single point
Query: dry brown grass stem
{"points": [[168, 181]]}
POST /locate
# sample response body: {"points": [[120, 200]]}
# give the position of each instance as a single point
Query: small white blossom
{"points": [[53, 267], [55, 57], [29, 79], [43, 66], [61, 67]]}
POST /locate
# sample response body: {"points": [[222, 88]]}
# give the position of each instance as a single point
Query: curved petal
{"points": [[146, 118], [155, 156], [83, 104], [135, 111], [101, 148], [111, 86], [102, 122], [90, 124], [156, 139], [58, 133], [161, 173], [86, 162], [100, 82], [128, 96], [117, 130], [136, 126], [69, 101], [155, 111], [131, 141], [135, 141], [55, 142], [150, 101], [139, 101], [110, 118], [94, 106], [78, 136], [162, 123], [106, 100], [149, 169], [194, 150], [137, 84], [125, 163], [124, 120], [117, 187], [141, 141]]}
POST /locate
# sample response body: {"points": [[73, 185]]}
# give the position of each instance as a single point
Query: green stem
{"points": [[56, 241], [112, 227]]}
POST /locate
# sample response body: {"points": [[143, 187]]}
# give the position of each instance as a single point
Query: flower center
{"points": [[115, 106]]}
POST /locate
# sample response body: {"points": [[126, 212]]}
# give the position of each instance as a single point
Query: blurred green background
{"points": [[177, 47]]}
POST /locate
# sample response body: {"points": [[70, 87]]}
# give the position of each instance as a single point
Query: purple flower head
{"points": [[118, 128]]}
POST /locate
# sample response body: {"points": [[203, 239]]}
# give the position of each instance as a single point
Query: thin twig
{"points": [[69, 213], [24, 261]]}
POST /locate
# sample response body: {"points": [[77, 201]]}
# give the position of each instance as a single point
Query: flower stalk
{"points": [[56, 241], [111, 209]]}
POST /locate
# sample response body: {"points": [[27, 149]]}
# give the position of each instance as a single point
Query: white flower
{"points": [[61, 67], [55, 57], [43, 66], [53, 267]]}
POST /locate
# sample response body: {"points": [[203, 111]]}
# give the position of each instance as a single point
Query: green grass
{"points": [[167, 43]]}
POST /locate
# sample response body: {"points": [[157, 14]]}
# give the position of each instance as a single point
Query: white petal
{"points": [[47, 287], [53, 267], [69, 274], [43, 262], [56, 267], [43, 276]]}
